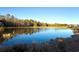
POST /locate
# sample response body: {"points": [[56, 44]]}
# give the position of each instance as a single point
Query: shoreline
{"points": [[35, 27]]}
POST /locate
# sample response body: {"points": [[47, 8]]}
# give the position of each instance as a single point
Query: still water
{"points": [[12, 36]]}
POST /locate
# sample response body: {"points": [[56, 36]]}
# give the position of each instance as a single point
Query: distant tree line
{"points": [[11, 21]]}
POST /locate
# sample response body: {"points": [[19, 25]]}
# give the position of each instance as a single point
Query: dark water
{"points": [[11, 36]]}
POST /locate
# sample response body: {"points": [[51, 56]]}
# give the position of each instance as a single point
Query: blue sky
{"points": [[44, 14]]}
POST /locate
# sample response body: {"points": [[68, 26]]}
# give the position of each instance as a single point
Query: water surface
{"points": [[14, 36]]}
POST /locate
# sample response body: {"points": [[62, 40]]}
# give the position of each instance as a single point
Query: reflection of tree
{"points": [[1, 37], [24, 30], [76, 31], [10, 32]]}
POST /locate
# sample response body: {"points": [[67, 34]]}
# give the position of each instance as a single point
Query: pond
{"points": [[12, 36]]}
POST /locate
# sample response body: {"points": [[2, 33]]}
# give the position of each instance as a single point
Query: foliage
{"points": [[11, 21]]}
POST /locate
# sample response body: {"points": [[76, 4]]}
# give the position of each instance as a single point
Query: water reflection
{"points": [[22, 30], [10, 32], [28, 35], [7, 35], [29, 39]]}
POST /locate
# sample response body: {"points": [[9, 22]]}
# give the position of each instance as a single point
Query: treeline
{"points": [[11, 21]]}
